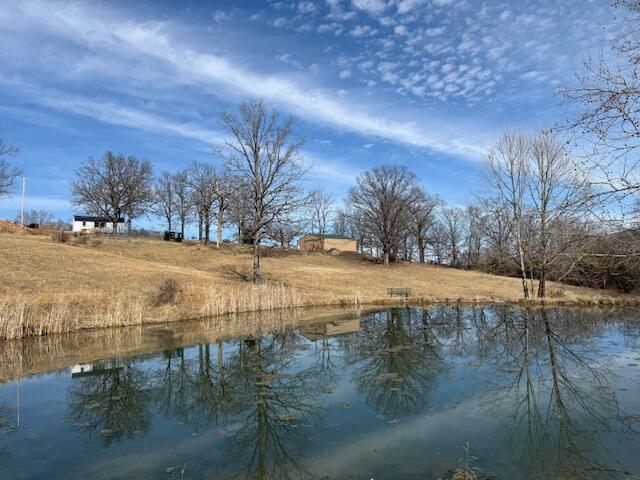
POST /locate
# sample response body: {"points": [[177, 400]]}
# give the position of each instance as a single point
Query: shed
{"points": [[90, 223], [325, 242]]}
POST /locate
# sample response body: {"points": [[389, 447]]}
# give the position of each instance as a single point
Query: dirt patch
{"points": [[10, 227]]}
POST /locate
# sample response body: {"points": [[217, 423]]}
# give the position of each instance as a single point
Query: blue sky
{"points": [[424, 83]]}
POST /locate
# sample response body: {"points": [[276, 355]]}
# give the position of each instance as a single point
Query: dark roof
{"points": [[328, 235], [89, 218]]}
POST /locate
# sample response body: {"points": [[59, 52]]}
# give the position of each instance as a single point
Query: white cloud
{"points": [[435, 31], [401, 30], [306, 8], [220, 16], [373, 7], [362, 31], [346, 73], [406, 6]]}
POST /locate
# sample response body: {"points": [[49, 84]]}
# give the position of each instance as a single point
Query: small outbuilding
{"points": [[91, 224], [325, 242]]}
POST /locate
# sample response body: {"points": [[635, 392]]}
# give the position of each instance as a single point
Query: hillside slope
{"points": [[98, 277]]}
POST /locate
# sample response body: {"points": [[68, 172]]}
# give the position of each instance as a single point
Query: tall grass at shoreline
{"points": [[249, 298], [30, 316]]}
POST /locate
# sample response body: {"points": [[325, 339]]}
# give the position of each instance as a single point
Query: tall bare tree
{"points": [[559, 197], [439, 242], [382, 198], [506, 172], [422, 213], [164, 198], [240, 209], [473, 236], [321, 210], [263, 151], [223, 189], [202, 180], [608, 99], [8, 174], [113, 186], [183, 198], [453, 221], [496, 227]]}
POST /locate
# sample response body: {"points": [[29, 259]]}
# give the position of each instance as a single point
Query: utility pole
{"points": [[24, 186]]}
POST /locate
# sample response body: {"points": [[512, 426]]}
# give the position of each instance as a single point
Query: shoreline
{"points": [[28, 356], [173, 317]]}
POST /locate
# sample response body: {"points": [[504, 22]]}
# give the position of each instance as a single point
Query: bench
{"points": [[399, 292]]}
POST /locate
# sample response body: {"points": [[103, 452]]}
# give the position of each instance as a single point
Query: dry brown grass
{"points": [[51, 287]]}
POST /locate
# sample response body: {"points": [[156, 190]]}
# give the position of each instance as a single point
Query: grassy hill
{"points": [[50, 287]]}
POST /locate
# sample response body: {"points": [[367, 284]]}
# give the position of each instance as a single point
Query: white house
{"points": [[91, 224]]}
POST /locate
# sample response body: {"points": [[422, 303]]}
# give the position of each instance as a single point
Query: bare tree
{"points": [[113, 186], [341, 223], [223, 189], [350, 224], [202, 180], [263, 152], [283, 230], [473, 236], [183, 198], [439, 241], [608, 96], [8, 174], [321, 210], [240, 209], [506, 172], [38, 217], [559, 197], [453, 221], [382, 197], [164, 198], [422, 213], [496, 227]]}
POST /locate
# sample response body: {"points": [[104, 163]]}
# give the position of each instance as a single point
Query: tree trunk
{"points": [[199, 227], [207, 228], [542, 287], [386, 257], [421, 250], [523, 268], [219, 234], [256, 258], [182, 227]]}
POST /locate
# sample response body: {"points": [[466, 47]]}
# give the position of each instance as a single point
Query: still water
{"points": [[492, 392]]}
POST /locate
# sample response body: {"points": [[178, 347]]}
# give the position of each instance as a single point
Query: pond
{"points": [[445, 392]]}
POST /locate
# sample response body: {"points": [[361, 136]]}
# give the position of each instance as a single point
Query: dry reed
{"points": [[250, 298], [24, 316]]}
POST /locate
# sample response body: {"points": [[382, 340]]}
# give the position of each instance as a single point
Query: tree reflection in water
{"points": [[114, 402], [561, 398], [396, 361], [278, 401], [268, 392]]}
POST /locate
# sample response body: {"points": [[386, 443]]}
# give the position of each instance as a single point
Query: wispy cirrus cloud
{"points": [[167, 56]]}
